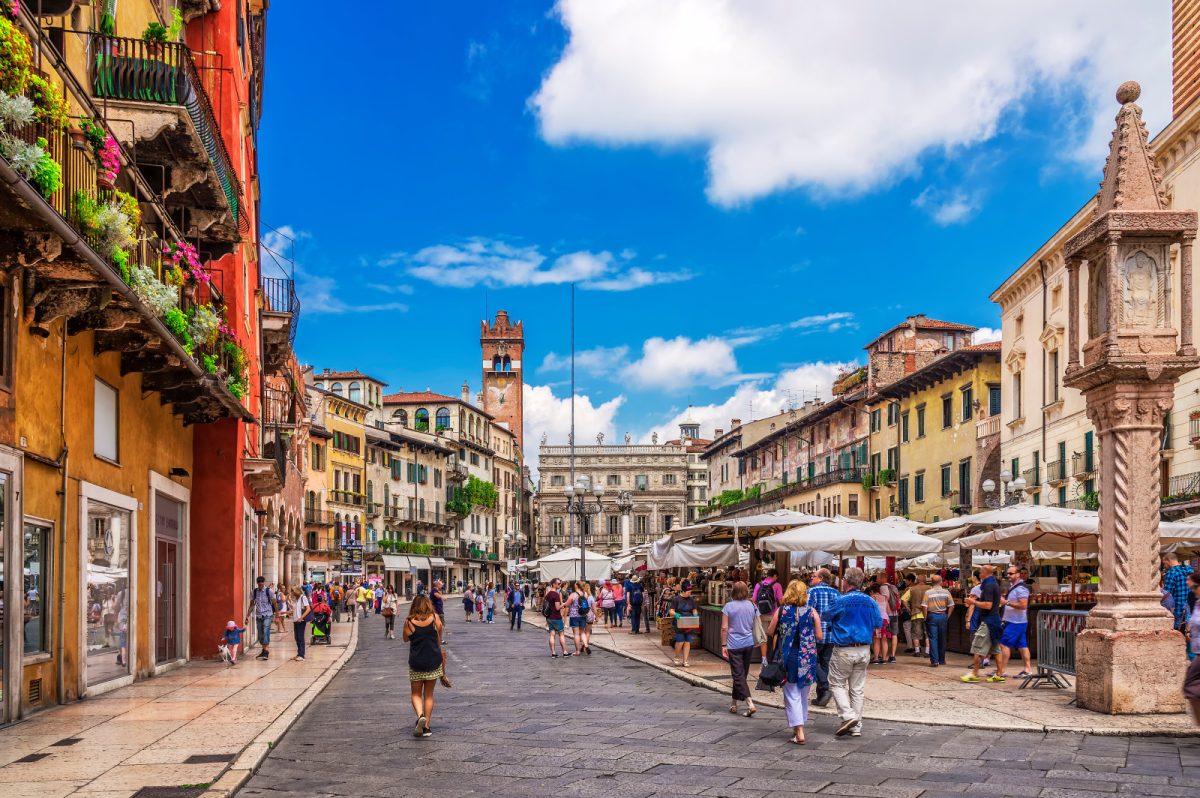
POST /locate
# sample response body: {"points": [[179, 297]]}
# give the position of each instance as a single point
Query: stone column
{"points": [[624, 531], [1073, 316], [1129, 659]]}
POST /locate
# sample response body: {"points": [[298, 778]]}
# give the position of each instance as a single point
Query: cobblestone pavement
{"points": [[518, 723]]}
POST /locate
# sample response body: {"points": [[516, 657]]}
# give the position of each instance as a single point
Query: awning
{"points": [[395, 562], [419, 562], [438, 562]]}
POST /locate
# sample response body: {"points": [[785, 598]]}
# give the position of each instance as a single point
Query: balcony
{"points": [[1183, 489], [373, 508], [987, 426], [456, 471], [316, 517], [280, 315], [1083, 466], [112, 280], [279, 408], [1033, 478], [346, 497], [171, 124], [1056, 471]]}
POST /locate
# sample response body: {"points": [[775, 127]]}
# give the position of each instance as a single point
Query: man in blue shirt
{"points": [[850, 623], [1175, 582], [822, 595]]}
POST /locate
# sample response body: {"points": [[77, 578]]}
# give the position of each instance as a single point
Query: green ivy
{"points": [[209, 362], [121, 260]]}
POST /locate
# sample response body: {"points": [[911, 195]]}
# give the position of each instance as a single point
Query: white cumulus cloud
{"points": [[985, 335], [550, 415], [791, 388], [602, 360], [676, 363], [843, 97], [501, 265]]}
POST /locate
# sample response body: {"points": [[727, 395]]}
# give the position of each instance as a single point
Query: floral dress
{"points": [[799, 649]]}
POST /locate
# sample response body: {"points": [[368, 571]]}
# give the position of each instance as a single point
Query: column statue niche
{"points": [[1132, 358]]}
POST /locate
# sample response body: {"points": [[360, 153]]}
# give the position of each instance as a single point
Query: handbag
{"points": [[760, 634], [773, 674], [388, 612]]}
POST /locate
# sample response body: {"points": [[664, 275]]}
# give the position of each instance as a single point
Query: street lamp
{"points": [[1011, 490], [580, 505]]}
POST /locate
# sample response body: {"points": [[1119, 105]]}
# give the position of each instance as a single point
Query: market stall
{"points": [[565, 565]]}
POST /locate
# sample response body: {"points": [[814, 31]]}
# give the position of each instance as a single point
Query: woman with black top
{"points": [[423, 631]]}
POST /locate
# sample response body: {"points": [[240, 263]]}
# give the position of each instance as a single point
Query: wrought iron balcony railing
{"points": [[123, 68]]}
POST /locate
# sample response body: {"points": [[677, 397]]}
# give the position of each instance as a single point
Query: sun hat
{"points": [[231, 625]]}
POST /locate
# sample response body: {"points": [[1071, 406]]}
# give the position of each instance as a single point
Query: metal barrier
{"points": [[1056, 633]]}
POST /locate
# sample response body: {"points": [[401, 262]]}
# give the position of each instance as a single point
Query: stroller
{"points": [[320, 624]]}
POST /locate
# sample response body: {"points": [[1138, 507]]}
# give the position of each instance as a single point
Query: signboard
{"points": [[522, 560], [352, 559]]}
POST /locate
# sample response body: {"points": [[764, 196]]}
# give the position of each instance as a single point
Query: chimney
{"points": [[466, 393], [735, 423], [718, 432], [1185, 54]]}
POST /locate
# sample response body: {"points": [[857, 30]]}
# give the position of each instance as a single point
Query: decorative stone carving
{"points": [[1131, 361]]}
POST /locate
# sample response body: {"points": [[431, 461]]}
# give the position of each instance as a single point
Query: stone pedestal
{"points": [[1130, 672]]}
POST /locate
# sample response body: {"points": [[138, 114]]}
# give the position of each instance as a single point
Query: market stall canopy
{"points": [[565, 565], [666, 553], [931, 562], [849, 538], [750, 525], [1079, 533], [395, 562], [951, 529]]}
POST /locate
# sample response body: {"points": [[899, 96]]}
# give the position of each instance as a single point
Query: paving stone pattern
{"points": [[518, 723]]}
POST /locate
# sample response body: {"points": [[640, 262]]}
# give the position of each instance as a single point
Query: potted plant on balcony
{"points": [[155, 36], [109, 155], [184, 256]]}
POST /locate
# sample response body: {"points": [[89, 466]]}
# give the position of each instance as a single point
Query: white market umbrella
{"points": [[855, 539], [774, 521], [951, 529], [565, 565], [666, 553]]}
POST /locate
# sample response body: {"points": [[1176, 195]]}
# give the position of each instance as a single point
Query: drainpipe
{"points": [[1042, 269], [60, 627]]}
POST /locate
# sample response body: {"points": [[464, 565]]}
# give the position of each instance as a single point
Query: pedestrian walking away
{"points": [[439, 608], [335, 602], [390, 609], [262, 609], [553, 609], [516, 608], [637, 597], [798, 627], [301, 614], [768, 595], [468, 602], [937, 605], [379, 600], [821, 597], [423, 633], [280, 594], [852, 621], [738, 617], [619, 593], [580, 607], [490, 602]]}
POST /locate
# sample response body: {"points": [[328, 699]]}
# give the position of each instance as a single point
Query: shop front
{"points": [[170, 572], [14, 589], [108, 557]]}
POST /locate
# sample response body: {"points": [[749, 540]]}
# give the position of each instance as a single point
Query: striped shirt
{"points": [[938, 599], [821, 597]]}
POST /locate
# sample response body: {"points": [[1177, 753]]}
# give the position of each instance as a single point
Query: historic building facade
{"points": [[655, 476]]}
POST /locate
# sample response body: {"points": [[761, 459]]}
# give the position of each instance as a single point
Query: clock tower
{"points": [[503, 344]]}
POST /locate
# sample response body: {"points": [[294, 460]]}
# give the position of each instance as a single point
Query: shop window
{"points": [[109, 541], [34, 586], [106, 425]]}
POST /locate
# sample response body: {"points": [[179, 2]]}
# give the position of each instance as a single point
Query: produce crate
{"points": [[666, 630]]}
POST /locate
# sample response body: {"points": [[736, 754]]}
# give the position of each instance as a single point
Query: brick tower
{"points": [[503, 344]]}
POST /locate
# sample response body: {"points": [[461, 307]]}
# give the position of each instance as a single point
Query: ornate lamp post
{"points": [[1132, 358], [580, 505], [1004, 498], [625, 506]]}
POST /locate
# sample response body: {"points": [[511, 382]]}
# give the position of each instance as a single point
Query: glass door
{"points": [[108, 582]]}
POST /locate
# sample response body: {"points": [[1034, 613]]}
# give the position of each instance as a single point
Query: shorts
{"points": [[687, 637], [981, 642], [894, 625], [578, 623], [918, 629], [884, 632], [1014, 635], [556, 624]]}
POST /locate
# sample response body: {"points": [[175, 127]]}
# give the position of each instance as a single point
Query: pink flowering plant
{"points": [[184, 256], [110, 158]]}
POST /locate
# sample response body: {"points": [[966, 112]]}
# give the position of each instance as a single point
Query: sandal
{"points": [[687, 664], [733, 709], [794, 741], [677, 662], [750, 712]]}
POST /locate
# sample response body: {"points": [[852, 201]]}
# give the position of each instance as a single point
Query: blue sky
{"points": [[744, 193]]}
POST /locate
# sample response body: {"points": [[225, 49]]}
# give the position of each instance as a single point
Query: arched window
{"points": [[355, 392], [370, 491], [337, 525], [422, 420], [336, 388], [385, 496], [507, 363], [401, 415], [443, 418]]}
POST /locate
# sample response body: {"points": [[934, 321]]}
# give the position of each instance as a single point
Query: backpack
{"points": [[547, 607], [635, 594], [272, 596], [766, 598], [583, 605]]}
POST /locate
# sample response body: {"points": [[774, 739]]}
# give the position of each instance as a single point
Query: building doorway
{"points": [[11, 588], [107, 566], [170, 516]]}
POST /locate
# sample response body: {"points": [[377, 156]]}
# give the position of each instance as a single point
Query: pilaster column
{"points": [[1129, 628], [624, 531], [1185, 297], [1112, 310], [1073, 315]]}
